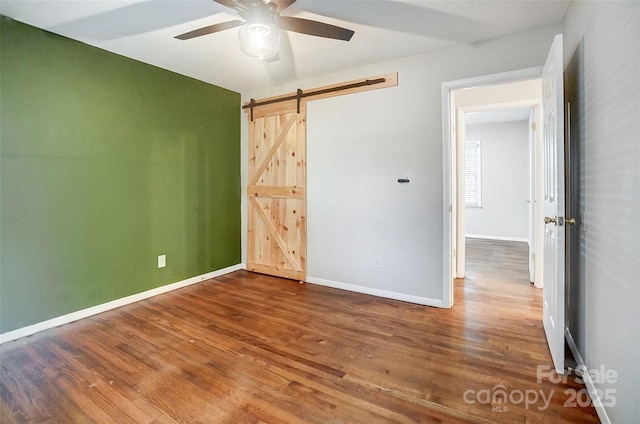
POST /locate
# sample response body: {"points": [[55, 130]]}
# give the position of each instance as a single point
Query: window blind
{"points": [[472, 172]]}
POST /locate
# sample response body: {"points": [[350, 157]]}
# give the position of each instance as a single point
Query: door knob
{"points": [[549, 220], [570, 221]]}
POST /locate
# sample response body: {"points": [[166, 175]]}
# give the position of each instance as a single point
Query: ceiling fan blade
{"points": [[282, 4], [209, 30], [319, 29], [233, 4]]}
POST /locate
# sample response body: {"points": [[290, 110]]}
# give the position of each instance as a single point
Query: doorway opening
{"points": [[508, 209], [499, 195], [517, 92]]}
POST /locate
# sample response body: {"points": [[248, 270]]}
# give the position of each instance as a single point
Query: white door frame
{"points": [[449, 207]]}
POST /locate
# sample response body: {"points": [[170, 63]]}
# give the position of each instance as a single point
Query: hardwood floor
{"points": [[249, 348], [497, 260]]}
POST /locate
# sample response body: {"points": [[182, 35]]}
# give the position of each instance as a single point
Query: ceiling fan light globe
{"points": [[259, 40]]}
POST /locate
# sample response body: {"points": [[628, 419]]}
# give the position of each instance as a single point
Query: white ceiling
{"points": [[384, 30]]}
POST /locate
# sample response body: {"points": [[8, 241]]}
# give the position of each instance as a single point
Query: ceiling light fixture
{"points": [[261, 24], [259, 40]]}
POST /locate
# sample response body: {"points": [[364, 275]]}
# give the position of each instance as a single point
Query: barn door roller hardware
{"points": [[329, 91], [299, 95]]}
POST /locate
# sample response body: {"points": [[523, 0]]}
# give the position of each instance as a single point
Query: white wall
{"points": [[610, 112], [505, 181], [360, 144], [357, 150]]}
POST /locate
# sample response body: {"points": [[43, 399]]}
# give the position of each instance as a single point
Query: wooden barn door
{"points": [[277, 176], [277, 241]]}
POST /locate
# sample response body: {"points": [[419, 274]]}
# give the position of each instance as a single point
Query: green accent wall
{"points": [[107, 163]]}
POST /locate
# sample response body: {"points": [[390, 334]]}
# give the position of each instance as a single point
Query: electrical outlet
{"points": [[377, 262], [162, 261]]}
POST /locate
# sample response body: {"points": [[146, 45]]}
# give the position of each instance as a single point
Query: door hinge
{"points": [[533, 126], [533, 257]]}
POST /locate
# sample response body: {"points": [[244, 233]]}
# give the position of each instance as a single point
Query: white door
{"points": [[553, 243]]}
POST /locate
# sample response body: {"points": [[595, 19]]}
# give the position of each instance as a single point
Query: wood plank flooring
{"points": [[497, 260], [249, 348]]}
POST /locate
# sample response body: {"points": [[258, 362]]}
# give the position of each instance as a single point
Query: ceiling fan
{"points": [[259, 35]]}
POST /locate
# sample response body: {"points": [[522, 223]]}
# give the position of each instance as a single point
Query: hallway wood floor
{"points": [[497, 260], [249, 348]]}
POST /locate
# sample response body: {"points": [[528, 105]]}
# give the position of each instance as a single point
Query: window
{"points": [[472, 175]]}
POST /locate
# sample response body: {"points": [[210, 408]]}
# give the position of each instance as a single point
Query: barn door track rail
{"points": [[388, 80]]}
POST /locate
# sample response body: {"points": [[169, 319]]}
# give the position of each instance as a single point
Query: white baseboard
{"points": [[377, 292], [588, 381], [503, 238], [84, 313]]}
